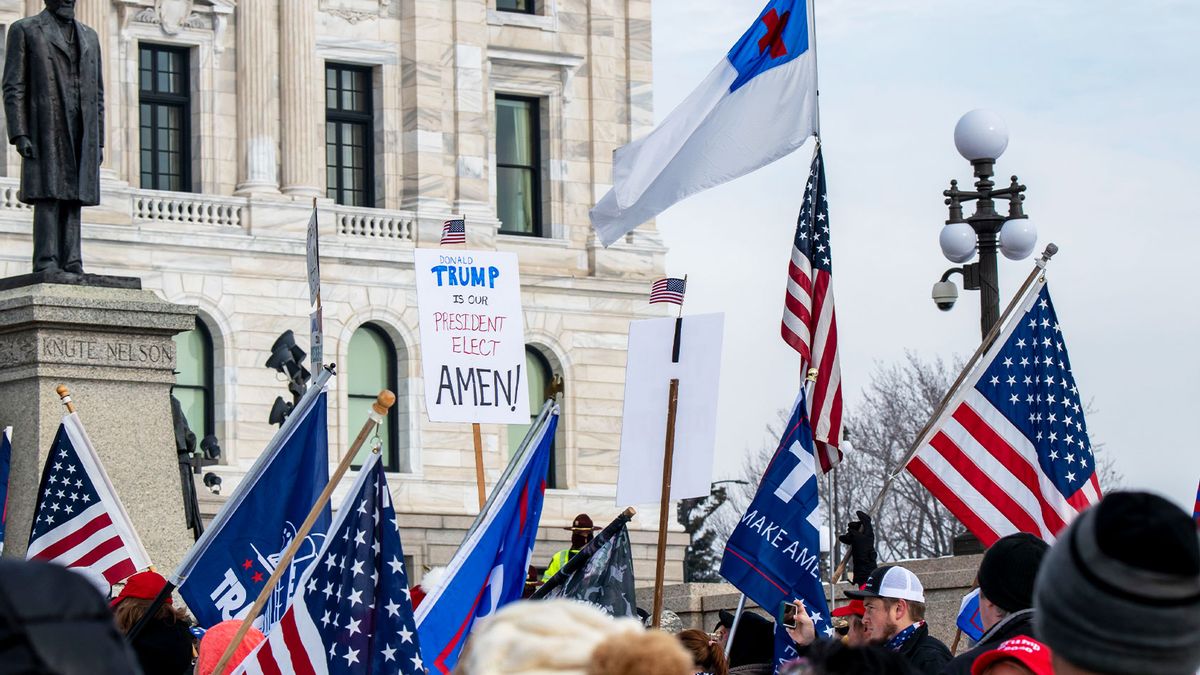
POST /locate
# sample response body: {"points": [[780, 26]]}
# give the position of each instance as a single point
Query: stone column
{"points": [[258, 97], [95, 14], [112, 348], [301, 93]]}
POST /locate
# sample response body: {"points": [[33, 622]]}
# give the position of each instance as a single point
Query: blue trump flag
{"points": [[774, 553], [488, 569], [5, 462], [225, 571]]}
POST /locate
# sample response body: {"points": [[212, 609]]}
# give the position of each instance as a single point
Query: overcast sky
{"points": [[1101, 101]]}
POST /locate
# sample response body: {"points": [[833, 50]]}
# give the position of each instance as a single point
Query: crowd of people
{"points": [[1118, 593]]}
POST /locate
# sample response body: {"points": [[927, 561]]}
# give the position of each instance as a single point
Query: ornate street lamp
{"points": [[981, 137]]}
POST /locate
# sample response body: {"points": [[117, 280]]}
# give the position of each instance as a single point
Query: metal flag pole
{"points": [[1038, 270], [379, 410]]}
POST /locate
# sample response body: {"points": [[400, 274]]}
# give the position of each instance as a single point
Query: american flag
{"points": [[1011, 451], [454, 231], [668, 289], [809, 324], [79, 522], [352, 612]]}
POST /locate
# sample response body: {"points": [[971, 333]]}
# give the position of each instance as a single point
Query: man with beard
{"points": [[894, 617]]}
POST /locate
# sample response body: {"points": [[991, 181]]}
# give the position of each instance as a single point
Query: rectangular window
{"points": [[523, 6], [164, 96], [349, 135], [518, 166]]}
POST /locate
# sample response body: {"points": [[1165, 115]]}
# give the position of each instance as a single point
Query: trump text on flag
{"points": [[472, 336]]}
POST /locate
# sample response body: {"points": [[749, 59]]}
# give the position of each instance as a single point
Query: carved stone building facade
{"points": [[225, 119]]}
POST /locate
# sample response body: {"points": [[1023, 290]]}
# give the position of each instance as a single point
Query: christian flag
{"points": [[757, 105], [79, 521]]}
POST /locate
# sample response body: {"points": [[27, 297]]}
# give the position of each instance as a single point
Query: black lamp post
{"points": [[981, 137]]}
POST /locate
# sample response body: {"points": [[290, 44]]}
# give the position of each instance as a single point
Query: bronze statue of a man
{"points": [[54, 100]]}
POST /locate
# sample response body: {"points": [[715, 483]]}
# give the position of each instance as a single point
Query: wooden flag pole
{"points": [[64, 394], [479, 481], [379, 409], [1038, 270], [664, 502]]}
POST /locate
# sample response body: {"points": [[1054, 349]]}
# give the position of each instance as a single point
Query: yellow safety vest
{"points": [[557, 562]]}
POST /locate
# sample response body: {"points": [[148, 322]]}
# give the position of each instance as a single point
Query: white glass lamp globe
{"points": [[980, 134], [1017, 238], [958, 242]]}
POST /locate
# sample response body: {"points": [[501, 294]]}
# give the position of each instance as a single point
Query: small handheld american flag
{"points": [[454, 231], [79, 522], [668, 289]]}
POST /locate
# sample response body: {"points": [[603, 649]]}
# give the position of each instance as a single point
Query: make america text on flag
{"points": [[774, 552], [809, 323], [1010, 453], [454, 231], [78, 519], [668, 289], [352, 612]]}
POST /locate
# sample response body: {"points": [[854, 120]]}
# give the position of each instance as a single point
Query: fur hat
{"points": [[564, 637]]}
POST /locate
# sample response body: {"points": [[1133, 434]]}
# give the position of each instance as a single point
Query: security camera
{"points": [[213, 482], [945, 293]]}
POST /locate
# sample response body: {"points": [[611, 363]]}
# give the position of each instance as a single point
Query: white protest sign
{"points": [[472, 336], [648, 373]]}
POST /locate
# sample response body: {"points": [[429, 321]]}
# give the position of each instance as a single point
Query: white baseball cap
{"points": [[891, 582]]}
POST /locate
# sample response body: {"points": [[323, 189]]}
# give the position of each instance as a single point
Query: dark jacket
{"points": [[39, 83], [924, 652], [53, 621], [1018, 623], [164, 648]]}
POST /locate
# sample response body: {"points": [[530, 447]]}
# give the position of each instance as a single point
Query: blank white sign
{"points": [[648, 373]]}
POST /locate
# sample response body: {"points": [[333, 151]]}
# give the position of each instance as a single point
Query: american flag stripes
{"points": [[352, 612], [454, 231], [1010, 453], [668, 289], [809, 324], [78, 521]]}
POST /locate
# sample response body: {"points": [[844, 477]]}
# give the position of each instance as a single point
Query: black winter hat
{"points": [[1008, 570], [1119, 592]]}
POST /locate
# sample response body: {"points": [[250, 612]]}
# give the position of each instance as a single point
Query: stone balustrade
{"points": [[186, 208], [355, 223]]}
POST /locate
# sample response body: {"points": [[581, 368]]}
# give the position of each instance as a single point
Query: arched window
{"points": [[194, 383], [541, 387], [372, 369]]}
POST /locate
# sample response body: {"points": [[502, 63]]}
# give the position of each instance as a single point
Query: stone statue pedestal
{"points": [[112, 348]]}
